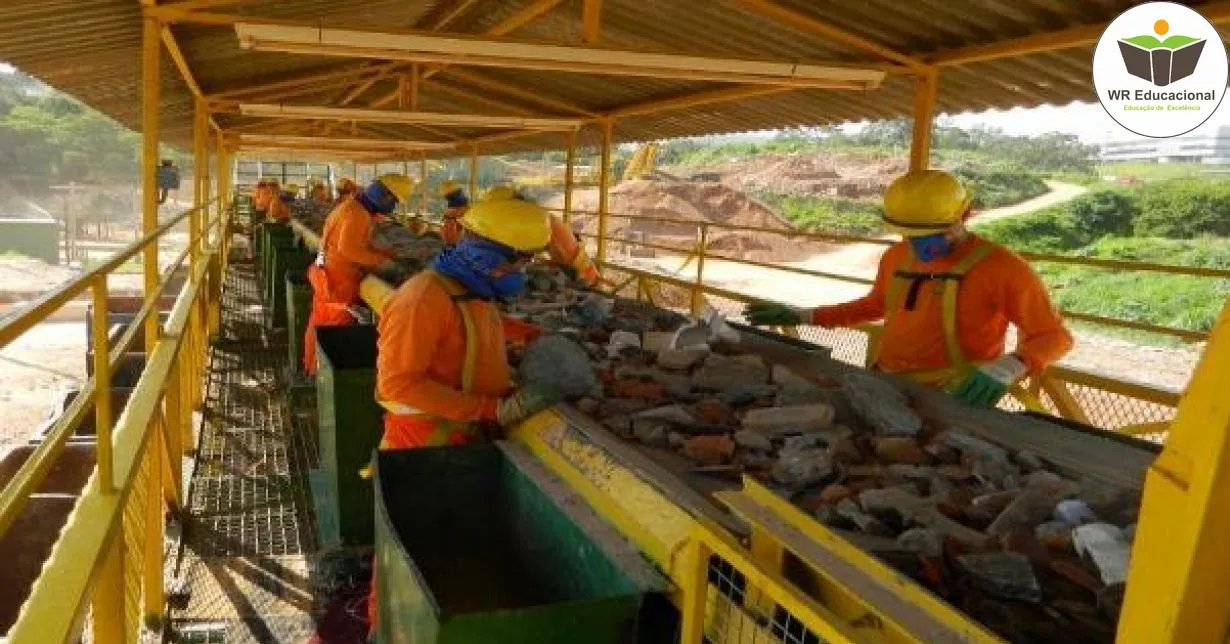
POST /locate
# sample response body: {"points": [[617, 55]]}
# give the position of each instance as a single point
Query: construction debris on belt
{"points": [[1034, 556]]}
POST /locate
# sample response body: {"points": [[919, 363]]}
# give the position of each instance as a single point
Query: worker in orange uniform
{"points": [[346, 188], [320, 192], [457, 201], [346, 254], [564, 248], [946, 297], [441, 366], [279, 210]]}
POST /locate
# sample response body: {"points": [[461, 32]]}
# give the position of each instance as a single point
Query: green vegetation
{"points": [[1000, 187], [1154, 171], [1179, 222], [828, 214]]}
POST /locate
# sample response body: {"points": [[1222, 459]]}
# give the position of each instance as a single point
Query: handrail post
{"points": [[570, 143], [102, 386], [698, 293], [154, 593], [107, 597], [604, 188], [200, 162]]}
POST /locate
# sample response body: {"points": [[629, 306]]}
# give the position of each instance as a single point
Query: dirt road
{"points": [[35, 370], [1059, 193]]}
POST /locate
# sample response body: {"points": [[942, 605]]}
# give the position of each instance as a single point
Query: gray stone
{"points": [[676, 440], [753, 441], [655, 340], [674, 414], [588, 406], [1029, 461], [621, 340], [797, 390], [925, 541], [651, 432], [1106, 547], [747, 395], [800, 443], [677, 385], [850, 511], [1050, 531], [797, 469], [1103, 498], [1031, 507], [1074, 511], [681, 359], [1007, 575], [719, 373], [1042, 478], [621, 407], [559, 363], [983, 449], [781, 420], [903, 501], [880, 405]]}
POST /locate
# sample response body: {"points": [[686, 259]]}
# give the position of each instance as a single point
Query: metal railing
{"points": [[108, 560]]}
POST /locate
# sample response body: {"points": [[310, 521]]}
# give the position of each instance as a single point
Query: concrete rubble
{"points": [[1018, 545]]}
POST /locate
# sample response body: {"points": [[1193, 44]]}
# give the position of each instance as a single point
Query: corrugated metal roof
{"points": [[91, 49]]}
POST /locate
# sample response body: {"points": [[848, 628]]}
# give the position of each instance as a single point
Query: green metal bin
{"points": [[298, 307], [480, 544], [350, 424], [284, 256]]}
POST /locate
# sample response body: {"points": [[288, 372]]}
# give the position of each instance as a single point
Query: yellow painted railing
{"points": [[108, 558]]}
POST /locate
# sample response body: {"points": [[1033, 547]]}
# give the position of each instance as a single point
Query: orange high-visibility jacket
{"points": [[278, 210], [345, 244], [422, 348], [998, 289], [565, 250]]}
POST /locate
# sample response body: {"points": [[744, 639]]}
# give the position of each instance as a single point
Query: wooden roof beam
{"points": [[591, 21], [1217, 13], [807, 24], [318, 80]]}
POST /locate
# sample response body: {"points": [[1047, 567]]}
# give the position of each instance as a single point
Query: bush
{"points": [[1103, 212], [1183, 209], [829, 214], [1046, 231], [995, 188]]}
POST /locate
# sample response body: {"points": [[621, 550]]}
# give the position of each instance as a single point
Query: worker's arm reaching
{"points": [[1042, 337], [869, 308], [569, 254]]}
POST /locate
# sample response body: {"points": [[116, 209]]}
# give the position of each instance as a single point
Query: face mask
{"points": [[509, 286], [929, 248]]}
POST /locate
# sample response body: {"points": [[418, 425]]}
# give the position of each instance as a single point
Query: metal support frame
{"points": [[604, 188], [151, 85], [1179, 583], [570, 145], [926, 87], [474, 172], [200, 165], [423, 182]]}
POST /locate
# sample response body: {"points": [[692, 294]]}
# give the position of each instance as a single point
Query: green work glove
{"points": [[774, 314], [525, 402], [988, 383]]}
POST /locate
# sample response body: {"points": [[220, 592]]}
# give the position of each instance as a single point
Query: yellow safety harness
{"points": [[902, 294], [443, 426]]}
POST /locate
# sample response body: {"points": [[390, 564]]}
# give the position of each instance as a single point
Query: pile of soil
{"points": [[819, 175], [695, 201]]}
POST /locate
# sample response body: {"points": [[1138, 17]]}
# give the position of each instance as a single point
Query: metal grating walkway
{"points": [[244, 569]]}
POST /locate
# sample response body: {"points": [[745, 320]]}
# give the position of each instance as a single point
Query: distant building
{"points": [[1209, 145]]}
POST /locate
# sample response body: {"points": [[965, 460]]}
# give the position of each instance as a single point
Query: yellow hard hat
{"points": [[399, 184], [520, 225], [501, 192], [924, 202], [449, 187]]}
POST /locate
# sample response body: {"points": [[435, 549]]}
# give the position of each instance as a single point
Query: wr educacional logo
{"points": [[1161, 62], [1170, 55]]}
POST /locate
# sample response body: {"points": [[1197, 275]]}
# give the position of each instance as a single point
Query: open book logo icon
{"points": [[1161, 62]]}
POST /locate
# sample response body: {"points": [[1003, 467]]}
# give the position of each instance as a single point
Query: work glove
{"points": [[988, 383], [774, 314], [525, 402]]}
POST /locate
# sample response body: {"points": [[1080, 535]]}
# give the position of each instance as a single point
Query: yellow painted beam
{"points": [[343, 75], [591, 21], [807, 24], [570, 145], [926, 86], [1178, 587], [604, 189], [427, 47], [151, 85], [270, 110], [696, 99], [289, 140], [452, 13]]}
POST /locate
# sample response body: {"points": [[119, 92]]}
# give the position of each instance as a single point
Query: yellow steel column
{"points": [[926, 87], [604, 188], [151, 58], [102, 386], [107, 596], [474, 172], [570, 144], [423, 183], [698, 291], [1179, 582], [154, 597], [200, 163]]}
